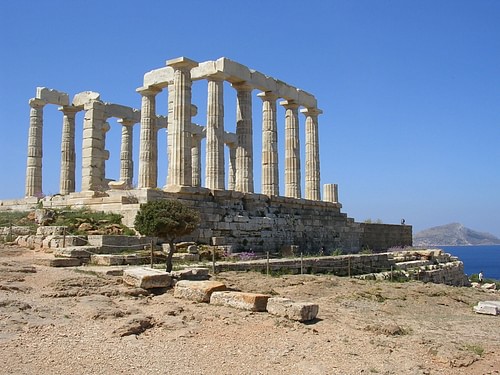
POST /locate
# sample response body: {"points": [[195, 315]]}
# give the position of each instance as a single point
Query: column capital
{"points": [[289, 104], [242, 86], [37, 103], [182, 63], [148, 90], [311, 111], [127, 122], [69, 109], [268, 96]]}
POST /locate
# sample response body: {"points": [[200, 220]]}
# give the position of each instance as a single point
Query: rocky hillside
{"points": [[453, 234]]}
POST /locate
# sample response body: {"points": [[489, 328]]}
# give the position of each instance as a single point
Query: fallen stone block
{"points": [[240, 300], [83, 252], [198, 291], [147, 278], [106, 260], [488, 307], [198, 273], [285, 307], [59, 262]]}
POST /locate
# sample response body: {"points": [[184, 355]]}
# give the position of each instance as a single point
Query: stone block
{"points": [[262, 82], [159, 77], [147, 278], [300, 311], [197, 273], [50, 230], [59, 262], [306, 99], [106, 260], [52, 96], [286, 91], [85, 97], [240, 300], [488, 307], [81, 252], [236, 72], [198, 291]]}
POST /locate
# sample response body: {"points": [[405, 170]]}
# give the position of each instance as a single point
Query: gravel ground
{"points": [[63, 321]]}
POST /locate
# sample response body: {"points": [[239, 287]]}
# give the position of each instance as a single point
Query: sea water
{"points": [[477, 259]]}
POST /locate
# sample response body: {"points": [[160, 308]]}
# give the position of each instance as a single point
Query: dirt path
{"points": [[59, 321]]}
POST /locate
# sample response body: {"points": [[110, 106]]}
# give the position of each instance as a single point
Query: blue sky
{"points": [[410, 89]]}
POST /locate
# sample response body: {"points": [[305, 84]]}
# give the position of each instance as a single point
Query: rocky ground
{"points": [[62, 321]]}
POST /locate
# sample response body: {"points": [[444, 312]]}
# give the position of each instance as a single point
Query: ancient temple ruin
{"points": [[232, 213]]}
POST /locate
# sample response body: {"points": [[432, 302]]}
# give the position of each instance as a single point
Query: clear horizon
{"points": [[410, 91]]}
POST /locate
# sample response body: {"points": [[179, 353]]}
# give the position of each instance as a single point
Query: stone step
{"points": [[147, 278], [198, 291], [82, 252], [118, 260], [240, 300], [197, 273]]}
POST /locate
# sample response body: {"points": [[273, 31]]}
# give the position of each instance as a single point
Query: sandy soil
{"points": [[60, 321]]}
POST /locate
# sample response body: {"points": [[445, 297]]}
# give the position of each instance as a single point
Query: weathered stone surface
{"points": [[488, 307], [147, 278], [198, 291], [81, 252], [240, 300], [59, 262], [301, 311], [191, 274]]}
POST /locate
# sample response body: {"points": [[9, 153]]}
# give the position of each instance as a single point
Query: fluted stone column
{"points": [[196, 159], [270, 171], [214, 168], [93, 153], [244, 150], [67, 180], [292, 150], [231, 178], [126, 160], [180, 128], [105, 154], [330, 193], [33, 187], [312, 154], [148, 146]]}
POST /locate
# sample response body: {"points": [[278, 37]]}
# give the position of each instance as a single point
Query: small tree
{"points": [[167, 219]]}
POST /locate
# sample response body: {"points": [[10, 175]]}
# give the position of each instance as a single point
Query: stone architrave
{"points": [[214, 169], [292, 150], [93, 153], [126, 160], [67, 180], [244, 133], [270, 167], [180, 127], [35, 149], [148, 144], [312, 190]]}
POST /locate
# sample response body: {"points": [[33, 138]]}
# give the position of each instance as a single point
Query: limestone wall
{"points": [[384, 236]]}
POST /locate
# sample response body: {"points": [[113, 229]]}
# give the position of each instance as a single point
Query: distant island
{"points": [[453, 234]]}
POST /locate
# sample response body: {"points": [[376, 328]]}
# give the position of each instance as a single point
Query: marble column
{"points": [[196, 159], [180, 128], [231, 178], [126, 159], [330, 193], [148, 144], [214, 168], [244, 133], [67, 180], [312, 189], [33, 187], [270, 171], [292, 150], [93, 153]]}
